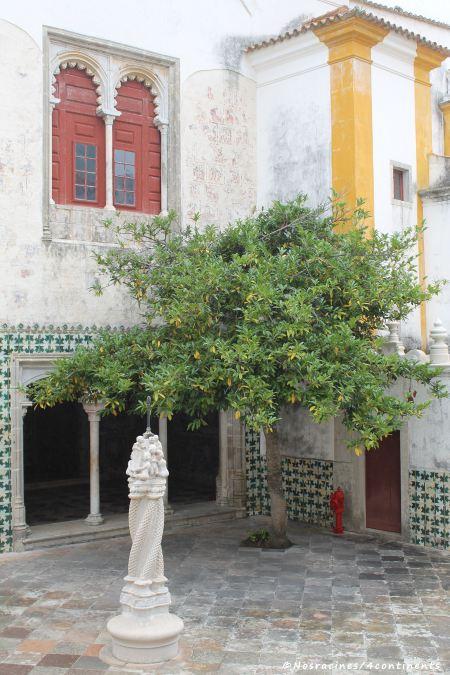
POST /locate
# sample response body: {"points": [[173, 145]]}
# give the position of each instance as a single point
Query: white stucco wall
{"points": [[428, 437], [293, 119], [437, 255], [394, 142], [202, 34]]}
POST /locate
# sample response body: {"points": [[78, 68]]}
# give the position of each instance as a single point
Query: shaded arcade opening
{"points": [[56, 462]]}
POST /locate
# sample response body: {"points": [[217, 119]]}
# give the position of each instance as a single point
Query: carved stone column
{"points": [[222, 489], [109, 161], [93, 412], [230, 485], [19, 523]]}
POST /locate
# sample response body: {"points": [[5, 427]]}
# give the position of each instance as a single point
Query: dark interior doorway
{"points": [[193, 460], [117, 435], [56, 462], [383, 492]]}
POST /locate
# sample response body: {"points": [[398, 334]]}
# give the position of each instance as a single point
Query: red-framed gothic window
{"points": [[136, 151], [78, 142]]}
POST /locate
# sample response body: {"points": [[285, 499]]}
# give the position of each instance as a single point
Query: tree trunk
{"points": [[275, 485]]}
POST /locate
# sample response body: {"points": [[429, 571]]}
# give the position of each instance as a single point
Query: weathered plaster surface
{"points": [[301, 437], [293, 119], [218, 146]]}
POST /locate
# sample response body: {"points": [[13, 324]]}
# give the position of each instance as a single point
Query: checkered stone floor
{"points": [[351, 600]]}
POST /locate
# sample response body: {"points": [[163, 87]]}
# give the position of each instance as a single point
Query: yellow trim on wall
{"points": [[445, 107], [350, 45], [426, 60]]}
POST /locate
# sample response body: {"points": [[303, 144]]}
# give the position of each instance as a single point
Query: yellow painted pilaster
{"points": [[426, 60], [445, 107], [350, 44]]}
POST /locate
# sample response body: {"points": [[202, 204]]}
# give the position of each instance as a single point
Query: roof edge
{"points": [[343, 13]]}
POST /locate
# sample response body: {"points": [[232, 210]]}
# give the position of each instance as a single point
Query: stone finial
{"points": [[439, 355], [393, 344]]}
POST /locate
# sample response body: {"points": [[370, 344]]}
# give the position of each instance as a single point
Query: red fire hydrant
{"points": [[337, 505]]}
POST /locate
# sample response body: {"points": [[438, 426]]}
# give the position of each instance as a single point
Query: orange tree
{"points": [[281, 308]]}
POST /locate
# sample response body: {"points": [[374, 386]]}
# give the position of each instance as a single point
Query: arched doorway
{"points": [[56, 463]]}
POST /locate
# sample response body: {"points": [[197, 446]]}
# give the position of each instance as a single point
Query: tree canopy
{"points": [[280, 308]]}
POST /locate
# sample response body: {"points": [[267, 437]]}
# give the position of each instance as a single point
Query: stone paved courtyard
{"points": [[351, 600]]}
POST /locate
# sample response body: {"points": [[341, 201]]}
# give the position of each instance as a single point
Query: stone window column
{"points": [[164, 131], [93, 412], [109, 118]]}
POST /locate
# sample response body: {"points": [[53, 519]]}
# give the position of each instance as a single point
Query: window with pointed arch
{"points": [[78, 141], [136, 150]]}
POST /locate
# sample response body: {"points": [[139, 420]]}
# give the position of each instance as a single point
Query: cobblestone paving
{"points": [[328, 600]]}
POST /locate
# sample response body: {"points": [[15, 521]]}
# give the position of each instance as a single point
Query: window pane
{"points": [[119, 183], [129, 157], [80, 192], [120, 169], [119, 155], [399, 191], [129, 185], [130, 198], [129, 171], [85, 172], [119, 197]]}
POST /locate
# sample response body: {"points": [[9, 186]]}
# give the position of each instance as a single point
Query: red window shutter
{"points": [[75, 120], [134, 132]]}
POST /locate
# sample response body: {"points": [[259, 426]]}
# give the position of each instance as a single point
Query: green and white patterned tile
{"points": [[307, 483], [429, 508]]}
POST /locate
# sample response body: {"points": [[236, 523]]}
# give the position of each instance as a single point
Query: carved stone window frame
{"points": [[110, 63]]}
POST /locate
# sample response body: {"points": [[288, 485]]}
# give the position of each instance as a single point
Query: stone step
{"points": [[78, 531]]}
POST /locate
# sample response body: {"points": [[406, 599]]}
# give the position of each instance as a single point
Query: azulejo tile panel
{"points": [[308, 484], [25, 340], [429, 508]]}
